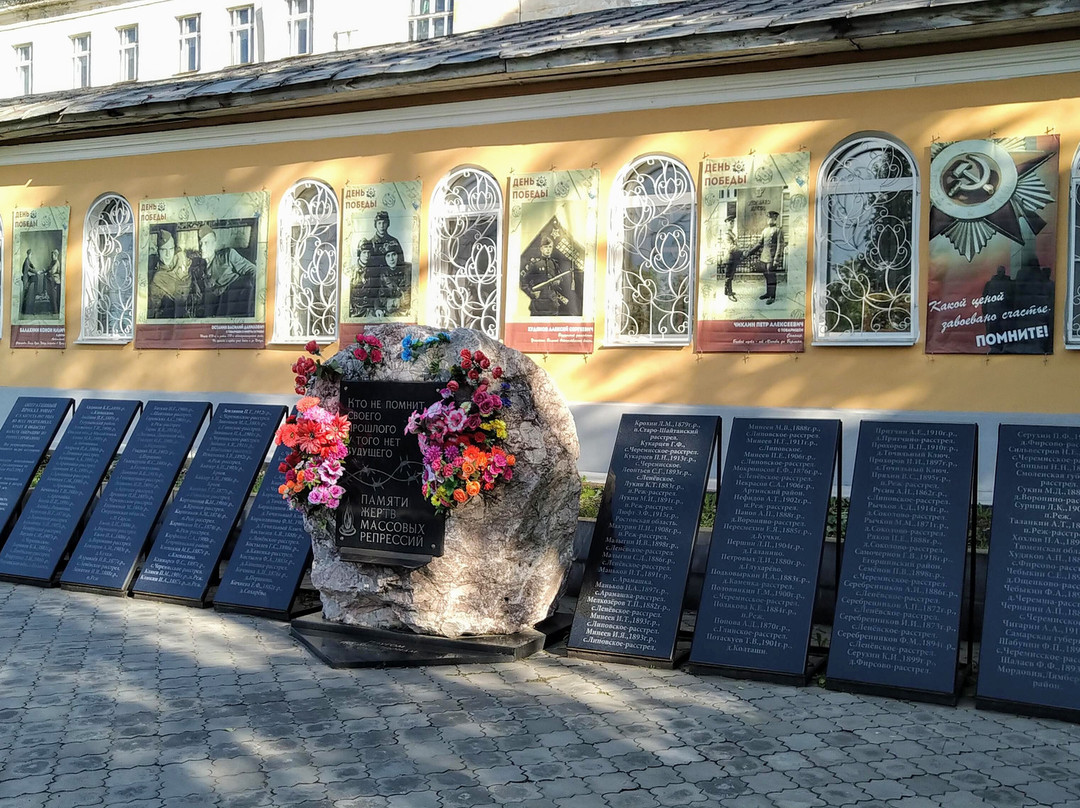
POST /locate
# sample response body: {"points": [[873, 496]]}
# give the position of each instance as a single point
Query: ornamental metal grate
{"points": [[866, 271], [307, 264], [466, 245], [108, 297], [650, 258]]}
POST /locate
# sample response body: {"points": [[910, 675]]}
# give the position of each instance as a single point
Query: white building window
{"points": [[108, 299], [80, 61], [651, 254], [466, 249], [129, 52], [307, 264], [865, 267], [190, 45], [300, 27], [242, 35], [1072, 299], [431, 18], [24, 68], [343, 40]]}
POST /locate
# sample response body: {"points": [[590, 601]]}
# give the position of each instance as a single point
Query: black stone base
{"points": [[1027, 708], [813, 666], [342, 646], [304, 602], [911, 694], [682, 653]]}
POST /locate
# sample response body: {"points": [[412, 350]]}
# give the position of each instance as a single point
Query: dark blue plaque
{"points": [[188, 548], [24, 438], [757, 600], [119, 528], [897, 625], [1029, 660], [64, 494], [635, 578], [268, 563]]}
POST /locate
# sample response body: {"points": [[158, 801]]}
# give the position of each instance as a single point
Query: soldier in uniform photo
{"points": [[770, 251], [728, 258], [172, 293], [542, 281], [396, 282], [382, 242], [33, 283], [52, 283], [228, 279], [366, 297]]}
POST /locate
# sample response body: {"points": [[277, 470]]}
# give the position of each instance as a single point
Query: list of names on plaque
{"points": [[632, 595], [898, 604], [759, 588], [1031, 635], [29, 429]]}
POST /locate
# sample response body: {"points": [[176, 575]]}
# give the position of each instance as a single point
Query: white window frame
{"points": [[422, 23], [80, 61], [299, 21], [128, 53], [236, 29], [190, 44], [3, 305], [821, 334], [461, 198], [678, 191], [108, 271], [1072, 296], [308, 224], [24, 67]]}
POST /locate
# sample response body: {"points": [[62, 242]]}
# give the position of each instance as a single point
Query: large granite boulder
{"points": [[506, 554]]}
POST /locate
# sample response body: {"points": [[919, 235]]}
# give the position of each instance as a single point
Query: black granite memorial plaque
{"points": [[121, 524], [383, 517], [635, 578], [24, 438], [897, 625], [273, 550], [1029, 661], [64, 494], [757, 601], [187, 550]]}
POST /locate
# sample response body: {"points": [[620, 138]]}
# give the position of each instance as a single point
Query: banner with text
{"points": [[38, 258]]}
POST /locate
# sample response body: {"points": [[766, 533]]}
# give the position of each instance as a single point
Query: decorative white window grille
{"points": [[307, 264], [1072, 299], [651, 254], [190, 43], [24, 68], [465, 277], [300, 25], [242, 35], [129, 52], [866, 268], [343, 40], [430, 19], [80, 61], [108, 299]]}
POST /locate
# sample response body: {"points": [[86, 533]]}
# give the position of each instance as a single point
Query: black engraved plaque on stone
{"points": [[64, 494], [187, 550], [120, 526], [1029, 661], [635, 578], [757, 599], [897, 625], [270, 556], [24, 438], [383, 517]]}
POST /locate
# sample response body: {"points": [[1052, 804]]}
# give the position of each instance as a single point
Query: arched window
{"points": [[108, 289], [1072, 300], [306, 297], [865, 268], [465, 272], [651, 254], [2, 304]]}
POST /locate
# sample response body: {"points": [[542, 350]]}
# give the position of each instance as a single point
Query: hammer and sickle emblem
{"points": [[971, 172]]}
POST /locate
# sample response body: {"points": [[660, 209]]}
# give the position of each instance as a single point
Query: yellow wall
{"points": [[843, 377]]}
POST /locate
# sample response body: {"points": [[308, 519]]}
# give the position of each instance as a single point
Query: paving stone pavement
{"points": [[114, 702]]}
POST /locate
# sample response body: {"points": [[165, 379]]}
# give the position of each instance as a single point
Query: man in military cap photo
{"points": [[172, 292], [543, 283], [729, 255], [382, 242], [770, 252], [228, 278]]}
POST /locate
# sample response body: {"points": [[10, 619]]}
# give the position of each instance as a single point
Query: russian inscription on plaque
{"points": [[268, 562], [121, 524], [384, 517], [187, 550], [48, 525], [1029, 660], [24, 438], [897, 624], [635, 577], [757, 599]]}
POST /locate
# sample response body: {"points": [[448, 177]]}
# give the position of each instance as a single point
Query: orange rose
{"points": [[460, 495], [467, 470], [510, 460], [472, 488]]}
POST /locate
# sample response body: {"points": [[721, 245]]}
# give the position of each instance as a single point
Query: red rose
{"points": [[497, 372], [376, 355], [465, 364], [299, 390], [474, 374], [312, 347], [452, 385]]}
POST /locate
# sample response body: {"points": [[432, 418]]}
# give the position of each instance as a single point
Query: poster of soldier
{"points": [[380, 250], [551, 260], [38, 262], [993, 214], [752, 284], [202, 272]]}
